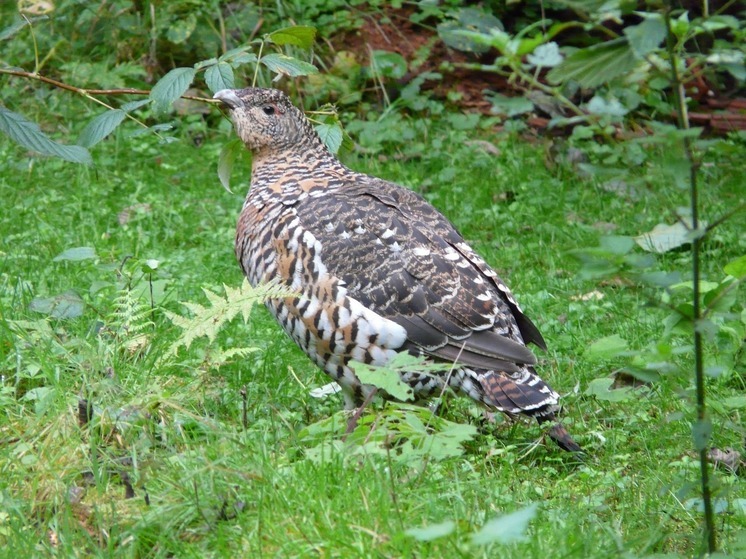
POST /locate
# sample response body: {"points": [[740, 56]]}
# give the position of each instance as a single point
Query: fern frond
{"points": [[206, 321]]}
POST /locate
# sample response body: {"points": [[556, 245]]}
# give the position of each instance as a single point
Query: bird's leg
{"points": [[352, 423]]}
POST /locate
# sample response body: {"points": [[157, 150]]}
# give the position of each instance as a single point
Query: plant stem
{"points": [[683, 121]]}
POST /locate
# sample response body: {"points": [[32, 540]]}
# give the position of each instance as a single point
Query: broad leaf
{"points": [[171, 86], [389, 64], [65, 305], [385, 379], [664, 237], [300, 36], [510, 106], [226, 159], [134, 105], [595, 65], [219, 76], [75, 254], [701, 433], [432, 532], [607, 347], [287, 65], [736, 268], [100, 127], [545, 56], [601, 388], [181, 29], [29, 135], [331, 135], [506, 529], [646, 36]]}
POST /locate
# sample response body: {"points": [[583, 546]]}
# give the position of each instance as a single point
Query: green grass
{"points": [[172, 429]]}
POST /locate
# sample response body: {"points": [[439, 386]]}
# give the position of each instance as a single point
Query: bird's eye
{"points": [[268, 110]]}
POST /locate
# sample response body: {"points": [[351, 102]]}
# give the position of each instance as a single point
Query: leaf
{"points": [[646, 36], [701, 433], [601, 389], [300, 36], [65, 305], [226, 159], [331, 135], [287, 65], [607, 347], [219, 76], [510, 106], [506, 529], [29, 135], [170, 87], [385, 379], [75, 254], [596, 65], [545, 56], [664, 238], [599, 105], [388, 64], [480, 26], [432, 532], [134, 105], [100, 127], [181, 29], [736, 268]]}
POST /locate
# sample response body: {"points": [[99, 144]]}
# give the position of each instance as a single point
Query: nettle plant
{"points": [[267, 59]]}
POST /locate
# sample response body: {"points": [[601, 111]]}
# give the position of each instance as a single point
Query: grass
{"points": [[165, 466]]}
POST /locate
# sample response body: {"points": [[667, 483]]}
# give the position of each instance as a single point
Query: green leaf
{"points": [[300, 36], [601, 389], [170, 87], [287, 65], [475, 22], [100, 127], [65, 305], [29, 135], [545, 56], [510, 106], [664, 238], [226, 159], [701, 433], [388, 64], [331, 135], [736, 268], [219, 76], [432, 532], [735, 402], [75, 254], [385, 379], [646, 36], [596, 65], [134, 105], [506, 529], [606, 348], [181, 29]]}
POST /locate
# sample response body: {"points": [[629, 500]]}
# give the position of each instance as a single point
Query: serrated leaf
{"points": [[29, 135], [596, 65], [646, 36], [664, 238], [287, 65], [606, 347], [65, 305], [226, 159], [219, 76], [384, 379], [331, 135], [171, 86], [76, 254], [100, 127], [545, 56], [432, 532], [736, 268], [134, 105], [300, 35], [506, 529], [601, 388]]}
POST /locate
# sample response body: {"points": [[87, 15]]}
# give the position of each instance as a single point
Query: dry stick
{"points": [[679, 93]]}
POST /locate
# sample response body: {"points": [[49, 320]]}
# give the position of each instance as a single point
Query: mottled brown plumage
{"points": [[378, 270]]}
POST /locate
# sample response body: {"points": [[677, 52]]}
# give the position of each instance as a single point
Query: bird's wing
{"points": [[398, 256]]}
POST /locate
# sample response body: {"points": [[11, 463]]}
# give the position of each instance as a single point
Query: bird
{"points": [[374, 270]]}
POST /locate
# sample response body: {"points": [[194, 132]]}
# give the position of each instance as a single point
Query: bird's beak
{"points": [[229, 98]]}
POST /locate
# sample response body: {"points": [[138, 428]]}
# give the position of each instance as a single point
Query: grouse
{"points": [[377, 270]]}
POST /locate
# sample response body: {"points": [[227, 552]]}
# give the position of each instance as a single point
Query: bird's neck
{"points": [[299, 162]]}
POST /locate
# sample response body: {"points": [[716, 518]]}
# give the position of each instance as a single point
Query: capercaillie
{"points": [[377, 270]]}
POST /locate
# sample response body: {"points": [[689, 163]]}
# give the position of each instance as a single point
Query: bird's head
{"points": [[266, 120]]}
